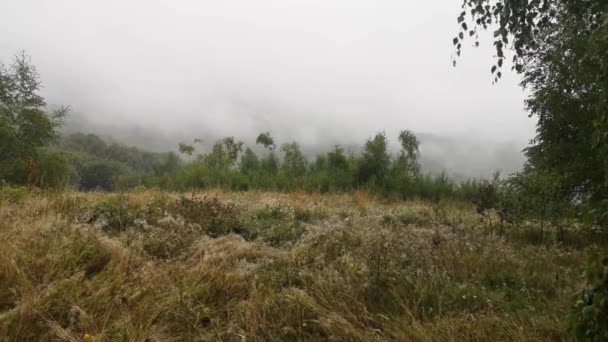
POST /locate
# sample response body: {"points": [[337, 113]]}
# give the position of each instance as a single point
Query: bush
{"points": [[589, 318], [214, 217], [101, 174], [274, 213], [12, 194], [303, 215], [55, 170], [114, 214], [279, 234]]}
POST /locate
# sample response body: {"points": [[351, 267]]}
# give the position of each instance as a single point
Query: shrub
{"points": [[101, 174], [486, 199], [113, 214], [274, 213], [55, 170], [279, 234], [303, 215], [11, 194], [589, 317], [215, 217]]}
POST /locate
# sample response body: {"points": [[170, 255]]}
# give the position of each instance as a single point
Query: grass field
{"points": [[152, 266]]}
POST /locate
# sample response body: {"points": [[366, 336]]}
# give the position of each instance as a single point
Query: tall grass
{"points": [[259, 266]]}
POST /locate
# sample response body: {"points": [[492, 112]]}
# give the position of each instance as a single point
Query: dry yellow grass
{"points": [[361, 199], [129, 267]]}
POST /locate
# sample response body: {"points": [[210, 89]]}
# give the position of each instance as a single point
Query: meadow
{"points": [[151, 265]]}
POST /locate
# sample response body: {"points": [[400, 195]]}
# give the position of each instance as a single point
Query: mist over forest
{"points": [[211, 70], [460, 156]]}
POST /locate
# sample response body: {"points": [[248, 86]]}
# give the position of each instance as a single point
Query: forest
{"points": [[109, 242]]}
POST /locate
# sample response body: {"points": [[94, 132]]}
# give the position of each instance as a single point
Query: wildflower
{"points": [[88, 337]]}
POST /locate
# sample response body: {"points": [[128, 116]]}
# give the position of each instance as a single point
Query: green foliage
{"points": [[333, 171], [224, 154], [84, 143], [569, 98], [271, 225], [55, 170], [270, 213], [166, 164], [250, 163], [113, 214], [561, 49], [337, 161], [25, 126], [100, 174], [186, 149], [87, 162], [408, 160], [535, 195], [95, 164], [266, 140], [281, 234], [270, 164], [523, 25], [320, 163], [487, 199], [375, 161], [12, 194], [294, 163], [589, 318]]}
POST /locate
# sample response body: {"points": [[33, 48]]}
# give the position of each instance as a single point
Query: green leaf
{"points": [[499, 53]]}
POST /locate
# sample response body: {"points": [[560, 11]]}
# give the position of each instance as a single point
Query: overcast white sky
{"points": [[306, 69]]}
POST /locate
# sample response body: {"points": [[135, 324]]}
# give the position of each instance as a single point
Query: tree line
{"points": [[35, 154]]}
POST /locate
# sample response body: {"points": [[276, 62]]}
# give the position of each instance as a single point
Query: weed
{"points": [[214, 217], [219, 268], [112, 214], [361, 200], [270, 213], [12, 195]]}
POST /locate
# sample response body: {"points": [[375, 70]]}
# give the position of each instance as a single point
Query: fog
{"points": [[153, 73]]}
